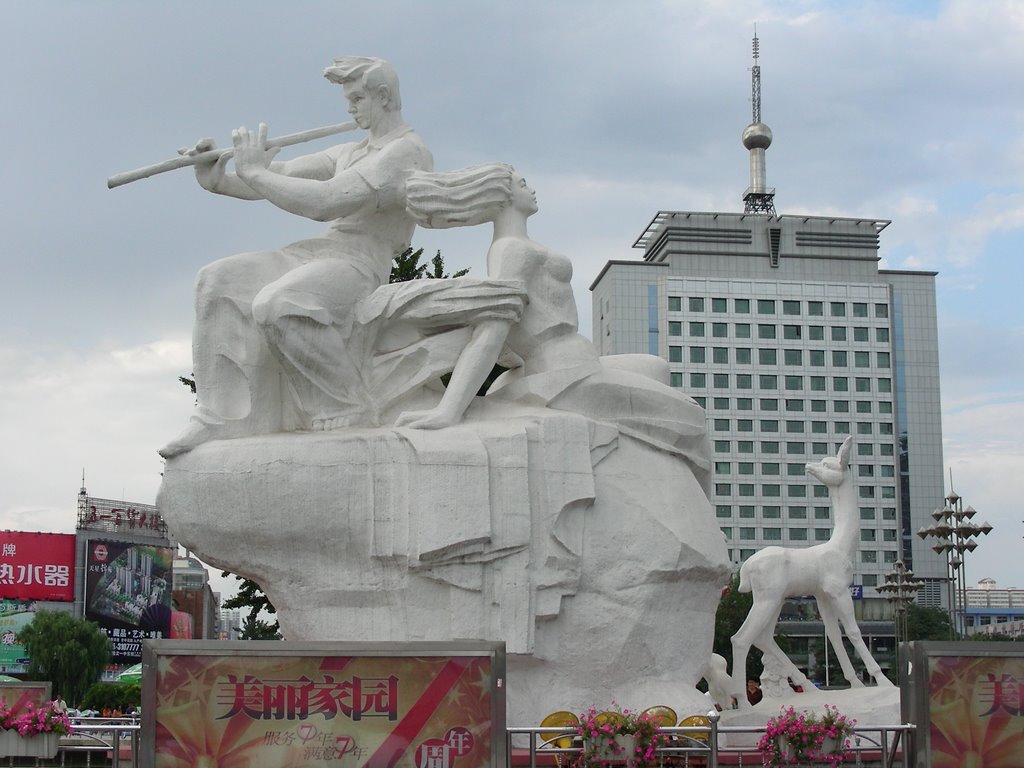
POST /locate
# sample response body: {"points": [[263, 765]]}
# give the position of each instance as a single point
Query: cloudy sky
{"points": [[909, 111]]}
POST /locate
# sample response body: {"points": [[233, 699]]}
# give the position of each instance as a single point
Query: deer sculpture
{"points": [[824, 571]]}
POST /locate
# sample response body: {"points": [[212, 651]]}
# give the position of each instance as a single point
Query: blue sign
{"points": [[857, 591]]}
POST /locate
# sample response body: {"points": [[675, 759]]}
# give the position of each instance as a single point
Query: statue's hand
{"points": [[251, 153], [208, 172]]}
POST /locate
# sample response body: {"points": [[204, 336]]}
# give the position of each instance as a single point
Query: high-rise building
{"points": [[787, 332]]}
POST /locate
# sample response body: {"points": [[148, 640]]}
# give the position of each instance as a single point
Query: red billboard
{"points": [[37, 566]]}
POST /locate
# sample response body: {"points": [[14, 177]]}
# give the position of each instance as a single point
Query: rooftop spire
{"points": [[757, 137]]}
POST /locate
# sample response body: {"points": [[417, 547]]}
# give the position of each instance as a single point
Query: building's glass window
{"points": [[840, 384], [771, 513], [865, 449], [744, 425], [815, 308], [842, 427], [819, 427], [743, 355], [794, 406], [884, 385], [866, 470], [817, 406], [696, 329], [796, 513], [723, 510], [860, 309], [769, 404], [796, 491], [794, 470], [793, 356], [721, 425], [744, 404], [882, 334], [863, 406], [723, 489], [696, 303], [841, 406], [885, 406], [867, 513], [883, 359], [698, 380], [745, 446], [888, 492], [791, 332], [767, 357], [741, 306], [746, 512], [862, 359], [720, 330], [769, 446], [819, 448], [860, 334], [816, 332], [721, 403], [745, 467], [700, 400], [765, 331], [746, 489], [675, 328], [744, 381], [794, 383], [863, 384], [868, 556], [697, 354], [866, 491], [822, 513], [723, 467], [769, 425], [870, 579], [838, 333], [885, 428], [747, 534], [790, 307], [765, 307], [888, 535], [798, 534], [675, 379], [817, 383], [890, 556], [881, 310], [839, 358], [822, 534], [720, 381], [726, 531], [742, 330], [794, 427], [770, 468], [837, 308], [797, 448], [719, 305], [675, 303], [723, 446], [771, 490], [773, 534], [888, 513], [675, 354], [867, 534], [820, 492], [720, 354], [767, 381]]}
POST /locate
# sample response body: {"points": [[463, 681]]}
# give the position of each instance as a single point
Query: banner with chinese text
{"points": [[248, 703], [967, 703], [37, 566], [15, 615], [17, 696], [128, 593]]}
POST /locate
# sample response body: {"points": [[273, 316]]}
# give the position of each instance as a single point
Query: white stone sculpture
{"points": [[824, 570], [565, 513], [271, 346]]}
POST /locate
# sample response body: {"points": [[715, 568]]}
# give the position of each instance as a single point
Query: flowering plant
{"points": [[600, 732], [793, 738], [32, 720]]}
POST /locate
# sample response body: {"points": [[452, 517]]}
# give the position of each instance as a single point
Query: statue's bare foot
{"points": [[195, 434], [328, 423], [432, 419]]}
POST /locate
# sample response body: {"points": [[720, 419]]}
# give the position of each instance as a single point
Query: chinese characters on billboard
{"points": [[108, 515], [15, 615], [265, 708], [37, 566], [128, 594], [976, 711]]}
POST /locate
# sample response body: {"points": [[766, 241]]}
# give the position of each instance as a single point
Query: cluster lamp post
{"points": [[954, 533], [899, 589]]}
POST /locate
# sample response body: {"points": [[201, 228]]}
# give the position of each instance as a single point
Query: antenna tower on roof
{"points": [[757, 137]]}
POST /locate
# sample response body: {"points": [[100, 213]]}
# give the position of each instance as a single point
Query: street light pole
{"points": [[899, 589], [954, 532]]}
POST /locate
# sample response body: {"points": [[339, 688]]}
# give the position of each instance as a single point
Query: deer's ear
{"points": [[844, 452]]}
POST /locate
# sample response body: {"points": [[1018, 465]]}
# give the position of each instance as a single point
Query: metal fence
{"points": [[115, 742]]}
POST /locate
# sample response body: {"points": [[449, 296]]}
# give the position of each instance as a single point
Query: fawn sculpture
{"points": [[824, 570]]}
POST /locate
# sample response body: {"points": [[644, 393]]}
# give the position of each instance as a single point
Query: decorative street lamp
{"points": [[954, 533], [899, 589]]}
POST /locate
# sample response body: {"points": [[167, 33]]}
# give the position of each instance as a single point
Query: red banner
{"points": [[37, 566]]}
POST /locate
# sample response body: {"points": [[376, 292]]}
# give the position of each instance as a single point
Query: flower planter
{"points": [[624, 752], [13, 744]]}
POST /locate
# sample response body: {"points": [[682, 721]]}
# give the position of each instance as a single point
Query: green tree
{"points": [[251, 596], [407, 267], [71, 653], [927, 623]]}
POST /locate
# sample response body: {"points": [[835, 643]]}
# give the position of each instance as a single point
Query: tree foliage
{"points": [[251, 596], [927, 623], [732, 612], [111, 696], [71, 653], [407, 267]]}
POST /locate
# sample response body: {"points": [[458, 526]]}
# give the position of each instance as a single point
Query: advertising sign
{"points": [[128, 593], [111, 516], [19, 695], [967, 703], [345, 705], [37, 566], [15, 615]]}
